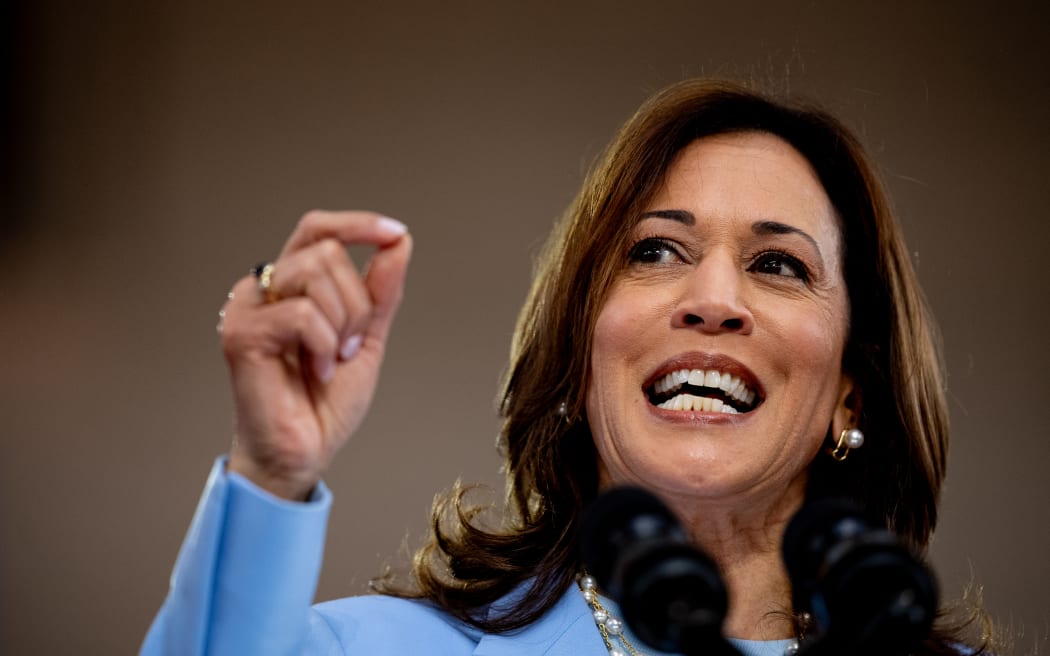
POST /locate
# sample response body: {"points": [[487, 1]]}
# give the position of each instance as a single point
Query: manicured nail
{"points": [[392, 227], [350, 347]]}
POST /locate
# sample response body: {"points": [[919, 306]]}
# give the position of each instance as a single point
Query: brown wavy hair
{"points": [[550, 459]]}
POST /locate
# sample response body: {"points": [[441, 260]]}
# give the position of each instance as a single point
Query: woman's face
{"points": [[717, 357]]}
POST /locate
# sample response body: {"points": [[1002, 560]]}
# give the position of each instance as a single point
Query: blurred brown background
{"points": [[152, 152]]}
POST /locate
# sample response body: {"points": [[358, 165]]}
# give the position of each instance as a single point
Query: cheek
{"points": [[608, 347], [619, 332], [620, 339], [828, 335], [611, 334], [812, 337], [822, 341]]}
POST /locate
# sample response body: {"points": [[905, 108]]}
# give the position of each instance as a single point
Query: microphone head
{"points": [[671, 594], [617, 521], [865, 589], [813, 530]]}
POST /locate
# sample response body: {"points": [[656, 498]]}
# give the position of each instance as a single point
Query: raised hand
{"points": [[304, 362]]}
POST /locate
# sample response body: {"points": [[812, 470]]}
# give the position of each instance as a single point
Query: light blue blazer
{"points": [[245, 580], [246, 576]]}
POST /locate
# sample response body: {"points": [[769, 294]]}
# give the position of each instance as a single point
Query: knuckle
{"points": [[330, 249], [243, 285], [312, 217], [311, 321], [323, 338], [232, 339], [303, 311], [310, 267]]}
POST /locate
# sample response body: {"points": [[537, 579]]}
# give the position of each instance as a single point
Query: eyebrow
{"points": [[778, 228], [682, 216], [760, 228]]}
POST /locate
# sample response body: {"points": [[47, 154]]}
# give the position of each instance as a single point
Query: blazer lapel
{"points": [[567, 629]]}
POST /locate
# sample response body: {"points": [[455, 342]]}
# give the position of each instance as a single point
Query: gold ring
{"points": [[264, 275]]}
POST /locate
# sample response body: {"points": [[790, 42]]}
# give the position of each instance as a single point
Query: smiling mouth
{"points": [[700, 390]]}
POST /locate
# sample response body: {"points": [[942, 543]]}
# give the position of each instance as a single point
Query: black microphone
{"points": [[671, 594], [866, 591]]}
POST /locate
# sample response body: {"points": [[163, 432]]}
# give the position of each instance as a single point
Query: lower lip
{"points": [[698, 417]]}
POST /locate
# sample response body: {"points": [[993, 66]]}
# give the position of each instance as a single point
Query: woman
{"points": [[725, 310]]}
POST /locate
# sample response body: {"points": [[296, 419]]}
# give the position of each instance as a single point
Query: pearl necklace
{"points": [[612, 628]]}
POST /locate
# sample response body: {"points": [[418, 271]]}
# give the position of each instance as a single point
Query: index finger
{"points": [[349, 227]]}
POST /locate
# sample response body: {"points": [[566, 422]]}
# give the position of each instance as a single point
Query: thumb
{"points": [[385, 282]]}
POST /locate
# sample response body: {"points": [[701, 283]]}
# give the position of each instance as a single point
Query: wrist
{"points": [[280, 482]]}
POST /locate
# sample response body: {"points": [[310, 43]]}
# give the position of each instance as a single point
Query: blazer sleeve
{"points": [[246, 575]]}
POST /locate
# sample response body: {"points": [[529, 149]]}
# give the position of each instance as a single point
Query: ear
{"points": [[847, 408]]}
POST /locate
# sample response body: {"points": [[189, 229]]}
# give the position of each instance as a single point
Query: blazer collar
{"points": [[567, 629]]}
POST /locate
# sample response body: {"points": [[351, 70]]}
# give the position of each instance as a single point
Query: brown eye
{"points": [[776, 263], [654, 251]]}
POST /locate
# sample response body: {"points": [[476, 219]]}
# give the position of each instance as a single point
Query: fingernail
{"points": [[392, 227], [350, 347]]}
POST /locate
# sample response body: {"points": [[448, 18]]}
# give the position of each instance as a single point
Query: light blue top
{"points": [[246, 575], [746, 647]]}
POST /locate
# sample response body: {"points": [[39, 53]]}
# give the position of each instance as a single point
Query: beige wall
{"points": [[161, 151]]}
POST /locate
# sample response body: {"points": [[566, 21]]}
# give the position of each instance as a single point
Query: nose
{"points": [[711, 298]]}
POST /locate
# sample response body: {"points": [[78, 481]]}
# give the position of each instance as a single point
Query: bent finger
{"points": [[349, 227], [349, 285], [325, 273], [281, 329]]}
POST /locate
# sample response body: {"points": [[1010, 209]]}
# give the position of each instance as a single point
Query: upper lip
{"points": [[706, 361]]}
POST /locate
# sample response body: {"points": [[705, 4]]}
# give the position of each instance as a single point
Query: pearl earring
{"points": [[849, 438]]}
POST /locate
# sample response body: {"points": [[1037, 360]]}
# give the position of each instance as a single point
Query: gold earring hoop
{"points": [[849, 438]]}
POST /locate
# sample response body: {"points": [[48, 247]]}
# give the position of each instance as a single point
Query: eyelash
{"points": [[643, 248], [781, 258], [650, 250]]}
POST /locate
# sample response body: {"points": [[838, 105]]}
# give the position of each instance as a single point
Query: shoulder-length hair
{"points": [[551, 463]]}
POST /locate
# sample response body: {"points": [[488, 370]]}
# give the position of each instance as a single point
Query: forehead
{"points": [[747, 177]]}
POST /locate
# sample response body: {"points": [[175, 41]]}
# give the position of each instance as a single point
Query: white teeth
{"points": [[688, 402], [733, 387]]}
